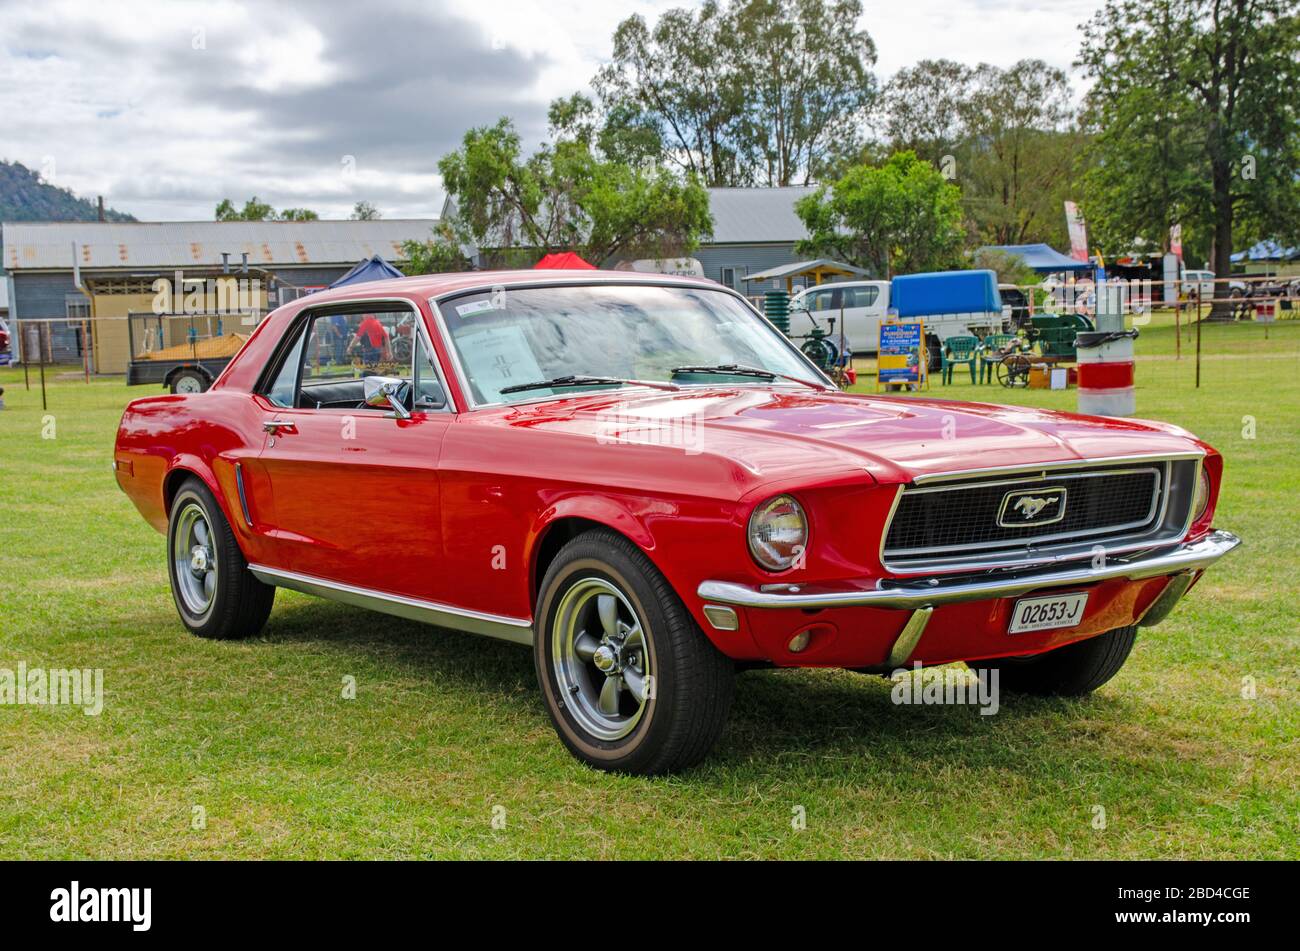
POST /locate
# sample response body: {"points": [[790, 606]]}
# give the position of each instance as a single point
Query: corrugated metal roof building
{"points": [[754, 230], [118, 261]]}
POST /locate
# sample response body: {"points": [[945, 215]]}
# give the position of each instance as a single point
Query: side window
{"points": [[284, 387], [819, 300], [327, 364], [861, 296], [350, 346], [342, 349]]}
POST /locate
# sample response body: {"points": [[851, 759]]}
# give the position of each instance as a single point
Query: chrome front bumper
{"points": [[935, 591]]}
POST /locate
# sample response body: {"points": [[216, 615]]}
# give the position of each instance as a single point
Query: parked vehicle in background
{"points": [[1198, 283], [864, 305], [644, 481], [1017, 306], [4, 336], [951, 309]]}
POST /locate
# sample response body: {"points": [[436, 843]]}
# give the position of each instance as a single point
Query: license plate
{"points": [[1053, 611]]}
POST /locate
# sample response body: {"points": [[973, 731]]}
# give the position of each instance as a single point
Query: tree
{"points": [[1016, 165], [756, 92], [1195, 121], [924, 107], [299, 214], [365, 211], [901, 216], [440, 253], [681, 80], [568, 195], [807, 70], [1005, 136], [255, 210]]}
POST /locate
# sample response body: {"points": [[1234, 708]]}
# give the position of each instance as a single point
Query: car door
{"points": [[355, 487], [860, 303]]}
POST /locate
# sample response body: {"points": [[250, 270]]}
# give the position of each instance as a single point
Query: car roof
{"points": [[439, 285]]}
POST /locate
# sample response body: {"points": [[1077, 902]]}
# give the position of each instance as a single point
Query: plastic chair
{"points": [[958, 351], [993, 348]]}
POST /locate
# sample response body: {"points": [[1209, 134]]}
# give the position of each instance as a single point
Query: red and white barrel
{"points": [[1106, 373]]}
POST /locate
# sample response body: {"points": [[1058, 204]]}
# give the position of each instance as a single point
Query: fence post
{"points": [[1198, 344]]}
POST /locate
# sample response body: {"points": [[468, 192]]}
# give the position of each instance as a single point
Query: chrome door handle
{"points": [[274, 426]]}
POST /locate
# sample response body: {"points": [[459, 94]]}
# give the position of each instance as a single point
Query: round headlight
{"points": [[778, 533], [1201, 500]]}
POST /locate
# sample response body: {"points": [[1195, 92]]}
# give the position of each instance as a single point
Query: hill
{"points": [[24, 197]]}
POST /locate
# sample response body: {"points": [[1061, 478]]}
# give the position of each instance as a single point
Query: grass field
{"points": [[250, 750]]}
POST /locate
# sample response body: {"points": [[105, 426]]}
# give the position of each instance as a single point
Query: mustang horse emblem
{"points": [[1032, 507], [1029, 506]]}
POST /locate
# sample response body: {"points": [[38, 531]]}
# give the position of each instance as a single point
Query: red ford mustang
{"points": [[642, 479]]}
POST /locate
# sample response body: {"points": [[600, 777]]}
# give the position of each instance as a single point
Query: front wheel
{"points": [[631, 683], [215, 593], [1071, 671]]}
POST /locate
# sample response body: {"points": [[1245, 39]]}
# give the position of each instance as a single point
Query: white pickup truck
{"points": [[864, 305]]}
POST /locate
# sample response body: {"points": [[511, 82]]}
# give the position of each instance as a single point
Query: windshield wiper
{"points": [[571, 380], [739, 369]]}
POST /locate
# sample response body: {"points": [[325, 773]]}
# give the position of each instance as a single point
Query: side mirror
{"points": [[387, 392]]}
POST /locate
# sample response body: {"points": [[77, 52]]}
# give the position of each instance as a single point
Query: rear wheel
{"points": [[215, 593], [630, 681], [189, 381], [1070, 671]]}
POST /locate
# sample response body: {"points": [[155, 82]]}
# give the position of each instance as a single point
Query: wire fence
{"points": [[1193, 331]]}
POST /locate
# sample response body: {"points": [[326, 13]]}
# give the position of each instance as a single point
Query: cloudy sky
{"points": [[166, 107]]}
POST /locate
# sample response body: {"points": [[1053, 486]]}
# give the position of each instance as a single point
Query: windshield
{"points": [[511, 336]]}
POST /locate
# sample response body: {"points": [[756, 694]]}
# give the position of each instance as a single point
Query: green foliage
{"points": [[24, 197], [1010, 268], [440, 253], [299, 214], [255, 210], [365, 211], [1195, 119], [569, 195], [756, 92], [1003, 135], [899, 217]]}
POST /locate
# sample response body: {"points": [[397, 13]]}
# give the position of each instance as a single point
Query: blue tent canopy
{"points": [[1267, 251], [945, 292], [1042, 258], [374, 269]]}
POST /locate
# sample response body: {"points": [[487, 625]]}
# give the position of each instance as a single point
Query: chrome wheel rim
{"points": [[188, 384], [194, 555], [602, 661]]}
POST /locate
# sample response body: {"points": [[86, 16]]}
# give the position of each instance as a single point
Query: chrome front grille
{"points": [[988, 520]]}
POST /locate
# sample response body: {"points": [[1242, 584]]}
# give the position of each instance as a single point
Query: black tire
{"points": [[189, 381], [1071, 671], [681, 718], [239, 603]]}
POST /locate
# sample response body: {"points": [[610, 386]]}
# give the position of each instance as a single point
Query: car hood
{"points": [[778, 432]]}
